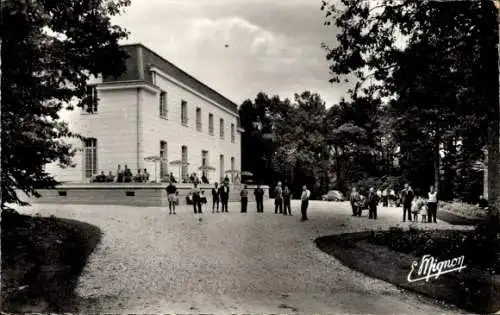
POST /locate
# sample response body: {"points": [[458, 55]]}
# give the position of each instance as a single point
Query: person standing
{"points": [[385, 198], [259, 198], [171, 190], [244, 199], [286, 201], [304, 202], [278, 199], [196, 199], [224, 196], [373, 200], [215, 197], [354, 199], [432, 204], [407, 196]]}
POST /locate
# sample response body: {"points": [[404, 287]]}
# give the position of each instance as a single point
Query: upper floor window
{"points": [[90, 157], [198, 118], [91, 99], [184, 113], [211, 124], [233, 136], [222, 128], [163, 104]]}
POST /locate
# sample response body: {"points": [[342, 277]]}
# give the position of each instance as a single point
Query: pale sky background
{"points": [[274, 46]]}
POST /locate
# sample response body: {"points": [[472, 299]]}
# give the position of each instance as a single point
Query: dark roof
{"points": [[141, 59]]}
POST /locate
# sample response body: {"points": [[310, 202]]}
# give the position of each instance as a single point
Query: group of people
{"points": [[413, 205], [123, 176], [194, 179], [282, 200], [220, 199], [359, 202]]}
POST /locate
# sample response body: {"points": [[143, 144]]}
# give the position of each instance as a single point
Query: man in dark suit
{"points": [[373, 200], [224, 196], [259, 198], [407, 196], [215, 197]]}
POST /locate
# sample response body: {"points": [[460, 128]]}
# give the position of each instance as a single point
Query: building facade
{"points": [[153, 110]]}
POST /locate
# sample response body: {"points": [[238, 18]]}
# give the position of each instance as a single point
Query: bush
{"points": [[385, 182], [480, 247], [462, 209]]}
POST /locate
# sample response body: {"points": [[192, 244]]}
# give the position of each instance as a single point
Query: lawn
{"points": [[387, 255], [42, 259], [463, 209]]}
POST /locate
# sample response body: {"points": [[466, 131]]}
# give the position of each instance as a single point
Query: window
{"points": [[232, 168], [90, 155], [211, 124], [91, 99], [163, 163], [198, 118], [204, 158], [233, 136], [221, 165], [163, 104], [222, 128], [184, 169], [184, 113], [204, 161]]}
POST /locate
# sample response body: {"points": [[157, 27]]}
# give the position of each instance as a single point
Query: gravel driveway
{"points": [[152, 262]]}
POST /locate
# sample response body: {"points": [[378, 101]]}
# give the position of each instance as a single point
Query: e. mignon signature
{"points": [[429, 267]]}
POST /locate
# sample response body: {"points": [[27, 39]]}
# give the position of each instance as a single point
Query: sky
{"points": [[272, 46]]}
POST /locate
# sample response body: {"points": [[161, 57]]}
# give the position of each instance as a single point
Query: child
{"points": [[416, 207], [176, 198], [424, 210]]}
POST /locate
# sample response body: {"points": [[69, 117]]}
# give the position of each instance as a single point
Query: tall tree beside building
{"points": [[49, 51]]}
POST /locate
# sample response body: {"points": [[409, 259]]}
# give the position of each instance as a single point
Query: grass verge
{"points": [[474, 289], [42, 259]]}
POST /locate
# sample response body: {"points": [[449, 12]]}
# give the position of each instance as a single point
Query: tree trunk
{"points": [[490, 90], [338, 170], [437, 161]]}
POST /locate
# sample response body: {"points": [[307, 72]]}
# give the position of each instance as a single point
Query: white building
{"points": [[154, 109]]}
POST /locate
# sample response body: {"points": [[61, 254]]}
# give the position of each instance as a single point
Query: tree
{"points": [[258, 118], [301, 155], [431, 81], [46, 64]]}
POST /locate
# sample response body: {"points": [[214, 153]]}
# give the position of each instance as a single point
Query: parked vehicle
{"points": [[333, 195]]}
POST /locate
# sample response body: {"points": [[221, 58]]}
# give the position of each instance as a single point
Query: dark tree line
{"points": [[420, 112]]}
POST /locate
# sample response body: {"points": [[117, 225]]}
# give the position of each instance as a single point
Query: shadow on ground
{"points": [[42, 259]]}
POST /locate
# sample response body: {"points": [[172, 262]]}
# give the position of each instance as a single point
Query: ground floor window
{"points": [[221, 167], [90, 157], [163, 162], [184, 168]]}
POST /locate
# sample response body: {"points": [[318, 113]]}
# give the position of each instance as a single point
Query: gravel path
{"points": [[152, 262]]}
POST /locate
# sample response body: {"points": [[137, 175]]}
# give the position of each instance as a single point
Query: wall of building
{"points": [[132, 194], [171, 130], [115, 128]]}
